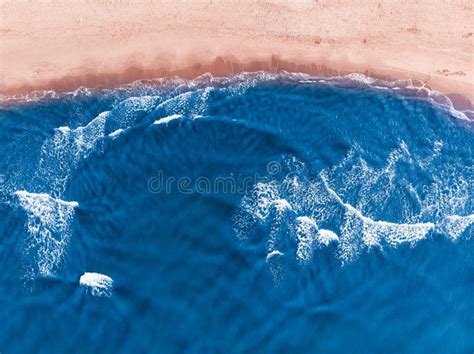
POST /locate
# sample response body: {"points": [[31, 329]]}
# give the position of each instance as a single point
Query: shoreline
{"points": [[61, 45], [460, 96]]}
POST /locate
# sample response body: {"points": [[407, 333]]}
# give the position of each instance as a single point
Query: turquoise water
{"points": [[254, 214]]}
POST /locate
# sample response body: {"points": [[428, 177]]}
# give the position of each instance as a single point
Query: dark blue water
{"points": [[257, 214]]}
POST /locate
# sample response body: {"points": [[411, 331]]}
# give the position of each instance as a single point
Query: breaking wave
{"points": [[49, 229], [345, 195], [98, 284], [296, 208]]}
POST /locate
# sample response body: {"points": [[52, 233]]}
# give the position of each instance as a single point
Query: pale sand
{"points": [[63, 45]]}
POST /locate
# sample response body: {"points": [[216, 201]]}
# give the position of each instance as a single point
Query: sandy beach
{"points": [[62, 45]]}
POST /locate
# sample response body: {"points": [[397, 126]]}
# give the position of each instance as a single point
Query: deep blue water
{"points": [[257, 214]]}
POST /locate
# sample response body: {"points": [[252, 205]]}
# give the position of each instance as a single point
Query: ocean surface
{"points": [[259, 213]]}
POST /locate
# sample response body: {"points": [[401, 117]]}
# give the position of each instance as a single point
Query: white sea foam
{"points": [[191, 104], [306, 232], [167, 119], [361, 231], [306, 222], [357, 77], [426, 163], [116, 133], [126, 113], [282, 204], [46, 198], [394, 234], [326, 237], [448, 195], [264, 196], [274, 253], [86, 137], [243, 220], [131, 105], [364, 192], [188, 104], [454, 225], [292, 209], [280, 209], [239, 83], [61, 153], [99, 284], [49, 217], [48, 228]]}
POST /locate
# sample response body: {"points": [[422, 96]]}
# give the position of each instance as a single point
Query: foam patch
{"points": [[48, 228], [98, 284], [354, 198]]}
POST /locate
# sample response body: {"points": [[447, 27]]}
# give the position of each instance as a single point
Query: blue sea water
{"points": [[259, 213]]}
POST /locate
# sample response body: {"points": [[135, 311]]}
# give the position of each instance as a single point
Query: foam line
{"points": [[242, 81], [167, 119], [116, 133], [274, 253], [374, 230], [24, 195]]}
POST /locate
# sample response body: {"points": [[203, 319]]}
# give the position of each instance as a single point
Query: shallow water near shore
{"points": [[259, 213]]}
